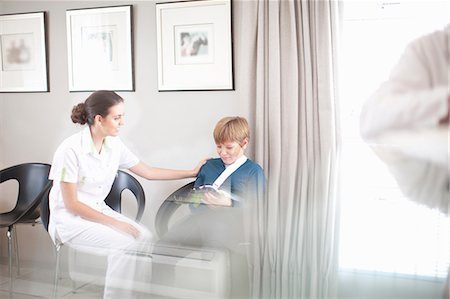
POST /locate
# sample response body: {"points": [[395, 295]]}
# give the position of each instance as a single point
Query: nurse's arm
{"points": [[69, 194], [153, 173]]}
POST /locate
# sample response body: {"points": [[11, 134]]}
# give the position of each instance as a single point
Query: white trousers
{"points": [[122, 250]]}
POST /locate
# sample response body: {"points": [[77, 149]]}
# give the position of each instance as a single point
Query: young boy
{"points": [[233, 177]]}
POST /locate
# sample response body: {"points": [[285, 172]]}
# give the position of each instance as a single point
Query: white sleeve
{"points": [[422, 181], [408, 100], [127, 158], [64, 166]]}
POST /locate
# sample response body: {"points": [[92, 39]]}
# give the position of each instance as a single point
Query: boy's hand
{"points": [[217, 198]]}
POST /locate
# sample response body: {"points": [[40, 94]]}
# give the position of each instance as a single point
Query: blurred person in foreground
{"points": [[406, 122]]}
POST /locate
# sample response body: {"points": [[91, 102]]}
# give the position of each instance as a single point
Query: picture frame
{"points": [[194, 45], [100, 48], [23, 53]]}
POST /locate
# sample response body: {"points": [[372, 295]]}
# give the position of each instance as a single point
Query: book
{"points": [[197, 195]]}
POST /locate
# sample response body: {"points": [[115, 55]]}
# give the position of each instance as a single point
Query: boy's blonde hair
{"points": [[231, 129]]}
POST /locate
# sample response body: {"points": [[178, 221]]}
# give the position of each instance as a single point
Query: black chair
{"points": [[122, 182], [168, 207], [33, 182]]}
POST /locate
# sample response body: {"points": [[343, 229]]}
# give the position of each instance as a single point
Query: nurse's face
{"points": [[111, 124], [230, 151]]}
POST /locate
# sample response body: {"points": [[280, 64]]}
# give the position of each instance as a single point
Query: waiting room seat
{"points": [[180, 228], [33, 183], [168, 208], [123, 181]]}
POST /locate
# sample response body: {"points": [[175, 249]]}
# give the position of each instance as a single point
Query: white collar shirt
{"points": [[77, 161]]}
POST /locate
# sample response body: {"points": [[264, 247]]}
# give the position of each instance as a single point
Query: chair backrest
{"points": [[45, 209], [168, 207], [124, 181], [32, 179]]}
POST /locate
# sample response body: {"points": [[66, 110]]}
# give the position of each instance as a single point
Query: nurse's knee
{"points": [[144, 233]]}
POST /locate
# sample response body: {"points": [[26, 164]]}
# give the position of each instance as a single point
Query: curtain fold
{"points": [[292, 79]]}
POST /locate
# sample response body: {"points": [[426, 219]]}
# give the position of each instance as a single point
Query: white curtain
{"points": [[291, 75]]}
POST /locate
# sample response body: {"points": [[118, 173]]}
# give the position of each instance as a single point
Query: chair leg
{"points": [[55, 282], [8, 234], [72, 262], [16, 249]]}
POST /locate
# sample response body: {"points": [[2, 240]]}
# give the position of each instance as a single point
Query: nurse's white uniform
{"points": [[77, 161]]}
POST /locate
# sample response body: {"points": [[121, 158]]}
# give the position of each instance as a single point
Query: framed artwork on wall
{"points": [[99, 43], [23, 55], [194, 41]]}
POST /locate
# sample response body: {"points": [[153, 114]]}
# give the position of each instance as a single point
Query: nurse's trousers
{"points": [[122, 250]]}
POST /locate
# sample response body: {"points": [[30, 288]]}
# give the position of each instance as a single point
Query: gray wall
{"points": [[165, 129]]}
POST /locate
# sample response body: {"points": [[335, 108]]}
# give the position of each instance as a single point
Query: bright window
{"points": [[381, 230]]}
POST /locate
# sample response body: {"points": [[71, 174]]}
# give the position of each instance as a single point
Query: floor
{"points": [[33, 283], [183, 273]]}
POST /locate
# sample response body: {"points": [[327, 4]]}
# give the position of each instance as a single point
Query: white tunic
{"points": [[415, 96], [401, 120], [77, 161]]}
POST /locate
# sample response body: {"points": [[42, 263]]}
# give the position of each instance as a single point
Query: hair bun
{"points": [[79, 114]]}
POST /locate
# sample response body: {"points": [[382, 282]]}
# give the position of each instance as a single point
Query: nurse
{"points": [[83, 170]]}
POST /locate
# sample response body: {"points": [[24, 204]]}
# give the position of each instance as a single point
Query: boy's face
{"points": [[230, 151]]}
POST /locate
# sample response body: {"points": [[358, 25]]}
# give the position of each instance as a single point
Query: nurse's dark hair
{"points": [[98, 103]]}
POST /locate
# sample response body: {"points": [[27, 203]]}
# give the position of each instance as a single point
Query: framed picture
{"points": [[194, 45], [23, 56], [99, 43]]}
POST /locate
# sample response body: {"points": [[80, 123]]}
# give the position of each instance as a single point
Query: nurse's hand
{"points": [[126, 228], [198, 166]]}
